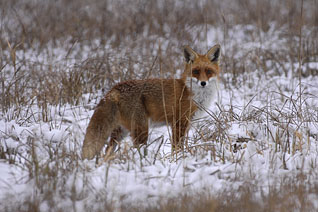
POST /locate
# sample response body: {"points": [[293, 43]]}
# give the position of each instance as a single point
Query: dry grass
{"points": [[82, 48], [47, 25], [289, 195]]}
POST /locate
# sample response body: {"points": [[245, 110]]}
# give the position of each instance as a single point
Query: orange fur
{"points": [[129, 105]]}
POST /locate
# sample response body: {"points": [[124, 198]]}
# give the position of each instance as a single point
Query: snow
{"points": [[215, 166]]}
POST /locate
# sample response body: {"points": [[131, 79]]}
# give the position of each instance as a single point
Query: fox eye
{"points": [[195, 72], [208, 71]]}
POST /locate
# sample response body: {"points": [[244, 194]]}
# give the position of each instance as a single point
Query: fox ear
{"points": [[189, 54], [214, 53]]}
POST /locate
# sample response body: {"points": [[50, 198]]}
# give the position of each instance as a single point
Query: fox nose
{"points": [[203, 83]]}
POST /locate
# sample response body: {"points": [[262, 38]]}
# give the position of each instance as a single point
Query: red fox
{"points": [[130, 105]]}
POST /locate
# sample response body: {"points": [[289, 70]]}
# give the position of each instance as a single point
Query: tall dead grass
{"points": [[103, 42]]}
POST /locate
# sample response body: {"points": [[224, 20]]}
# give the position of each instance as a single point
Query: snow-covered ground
{"points": [[262, 130]]}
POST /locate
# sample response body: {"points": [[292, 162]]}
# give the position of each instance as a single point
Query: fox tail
{"points": [[101, 125]]}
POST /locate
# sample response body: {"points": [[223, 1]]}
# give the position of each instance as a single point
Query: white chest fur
{"points": [[202, 96]]}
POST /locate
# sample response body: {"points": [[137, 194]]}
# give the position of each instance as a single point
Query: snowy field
{"points": [[259, 138]]}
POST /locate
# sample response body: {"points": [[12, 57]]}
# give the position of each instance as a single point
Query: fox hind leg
{"points": [[137, 123], [140, 135], [116, 136]]}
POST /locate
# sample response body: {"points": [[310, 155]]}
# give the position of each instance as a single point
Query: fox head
{"points": [[201, 71]]}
